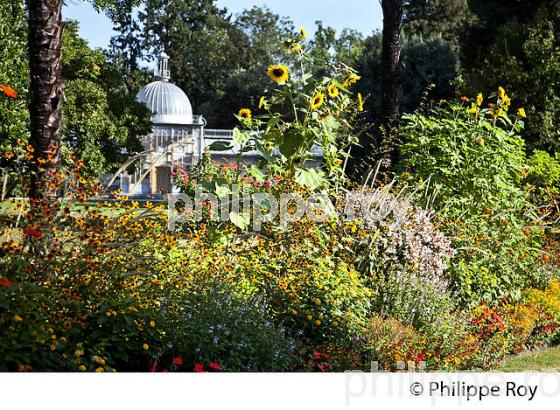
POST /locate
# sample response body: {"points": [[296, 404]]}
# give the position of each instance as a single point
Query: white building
{"points": [[178, 138]]}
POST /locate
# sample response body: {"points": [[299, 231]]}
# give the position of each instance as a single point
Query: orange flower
{"points": [[5, 282], [9, 154], [9, 91]]}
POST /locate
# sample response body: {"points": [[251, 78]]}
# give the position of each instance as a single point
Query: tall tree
{"points": [[445, 19], [389, 81], [45, 91], [519, 51]]}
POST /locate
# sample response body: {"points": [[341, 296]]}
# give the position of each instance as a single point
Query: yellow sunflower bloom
{"points": [[479, 99], [262, 102], [497, 112], [317, 101], [296, 48], [303, 33], [474, 109], [521, 112], [506, 101], [245, 113], [333, 91], [360, 102], [501, 92], [351, 79], [278, 73]]}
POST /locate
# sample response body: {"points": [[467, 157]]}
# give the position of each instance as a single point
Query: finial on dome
{"points": [[164, 72]]}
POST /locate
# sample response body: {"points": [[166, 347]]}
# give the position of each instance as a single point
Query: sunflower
{"points": [[333, 91], [497, 112], [296, 48], [303, 33], [474, 109], [278, 73], [501, 92], [521, 112], [360, 102], [317, 101], [262, 102], [245, 113], [351, 79], [506, 101], [479, 99]]}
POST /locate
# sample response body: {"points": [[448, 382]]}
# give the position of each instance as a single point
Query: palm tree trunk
{"points": [[390, 60], [46, 94]]}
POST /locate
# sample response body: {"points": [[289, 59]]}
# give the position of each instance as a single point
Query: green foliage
{"points": [[100, 118], [215, 325], [543, 171], [520, 51], [473, 161], [446, 19], [14, 116]]}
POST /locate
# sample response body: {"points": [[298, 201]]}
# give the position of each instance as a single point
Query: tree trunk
{"points": [[44, 44], [390, 60]]}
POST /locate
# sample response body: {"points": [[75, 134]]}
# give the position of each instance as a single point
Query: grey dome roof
{"points": [[168, 102]]}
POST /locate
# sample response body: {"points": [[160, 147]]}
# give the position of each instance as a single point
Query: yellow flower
{"points": [[506, 101], [497, 112], [152, 323], [360, 102], [278, 73], [318, 322], [521, 112], [501, 92], [479, 99], [98, 360], [309, 317], [474, 109], [351, 79], [82, 368], [317, 101], [262, 102], [333, 91], [317, 302], [303, 33], [79, 353], [245, 113], [296, 48], [100, 370], [17, 318], [145, 346]]}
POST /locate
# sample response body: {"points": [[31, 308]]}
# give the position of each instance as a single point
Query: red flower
{"points": [[323, 367], [32, 232], [199, 368], [5, 282], [9, 91], [178, 361], [215, 366]]}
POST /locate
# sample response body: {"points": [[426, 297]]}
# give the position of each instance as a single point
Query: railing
{"points": [[216, 134]]}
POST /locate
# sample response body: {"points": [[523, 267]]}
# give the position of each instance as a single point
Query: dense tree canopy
{"points": [[100, 118], [515, 45]]}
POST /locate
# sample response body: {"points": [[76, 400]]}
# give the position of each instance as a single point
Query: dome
{"points": [[168, 103]]}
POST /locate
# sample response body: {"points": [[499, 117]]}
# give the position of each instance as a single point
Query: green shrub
{"points": [[472, 162], [474, 159], [216, 324]]}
